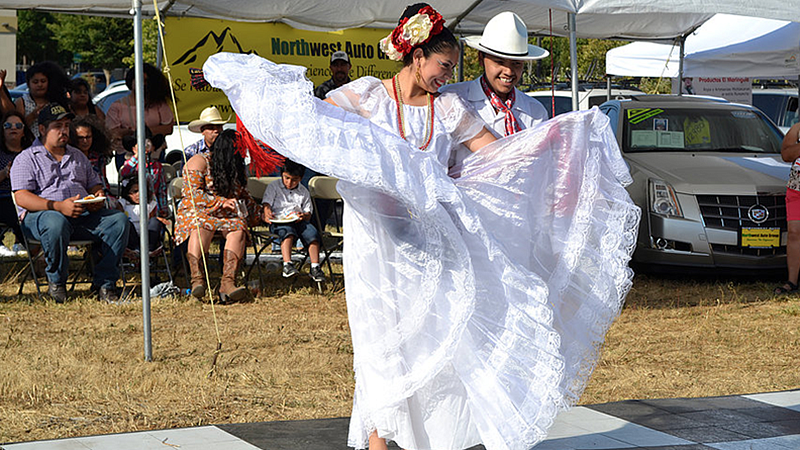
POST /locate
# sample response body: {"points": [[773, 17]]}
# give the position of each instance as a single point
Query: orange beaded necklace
{"points": [[401, 118]]}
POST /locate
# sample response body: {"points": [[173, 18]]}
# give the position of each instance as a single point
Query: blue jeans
{"points": [[107, 228], [306, 231]]}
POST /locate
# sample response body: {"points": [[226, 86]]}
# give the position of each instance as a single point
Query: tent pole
{"points": [[680, 65], [608, 87], [573, 59], [159, 51], [143, 187], [460, 60]]}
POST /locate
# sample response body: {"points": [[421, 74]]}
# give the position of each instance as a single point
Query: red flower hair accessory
{"points": [[412, 31]]}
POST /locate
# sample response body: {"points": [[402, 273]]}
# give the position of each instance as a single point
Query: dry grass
{"points": [[78, 369]]}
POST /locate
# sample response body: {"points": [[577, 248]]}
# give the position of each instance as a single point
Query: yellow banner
{"points": [[190, 41]]}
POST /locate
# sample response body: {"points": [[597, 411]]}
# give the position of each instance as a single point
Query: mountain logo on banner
{"points": [[210, 44]]}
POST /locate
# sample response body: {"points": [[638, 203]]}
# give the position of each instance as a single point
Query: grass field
{"points": [[77, 369]]}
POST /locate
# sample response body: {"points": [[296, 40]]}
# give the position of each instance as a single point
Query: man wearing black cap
{"points": [[50, 181], [340, 74]]}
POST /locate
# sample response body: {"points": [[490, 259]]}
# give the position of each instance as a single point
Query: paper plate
{"points": [[84, 201]]}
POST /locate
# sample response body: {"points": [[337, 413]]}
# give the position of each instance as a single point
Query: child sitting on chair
{"points": [[287, 208], [130, 203]]}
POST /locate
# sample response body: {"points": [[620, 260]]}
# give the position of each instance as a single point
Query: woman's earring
{"points": [[419, 78]]}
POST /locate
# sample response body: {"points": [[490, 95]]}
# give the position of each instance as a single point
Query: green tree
{"points": [[102, 42], [149, 44], [35, 40]]}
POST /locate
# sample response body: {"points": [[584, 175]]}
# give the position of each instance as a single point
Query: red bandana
{"points": [[511, 122]]}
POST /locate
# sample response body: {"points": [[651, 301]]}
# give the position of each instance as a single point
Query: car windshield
{"points": [[704, 130]]}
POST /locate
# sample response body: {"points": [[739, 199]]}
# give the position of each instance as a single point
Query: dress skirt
{"points": [[478, 305]]}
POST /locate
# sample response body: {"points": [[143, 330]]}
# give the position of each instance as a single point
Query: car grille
{"points": [[729, 212]]}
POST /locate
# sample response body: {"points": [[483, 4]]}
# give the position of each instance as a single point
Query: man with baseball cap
{"points": [[340, 74], [502, 51], [210, 126], [50, 180]]}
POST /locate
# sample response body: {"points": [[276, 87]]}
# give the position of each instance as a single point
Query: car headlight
{"points": [[663, 200]]}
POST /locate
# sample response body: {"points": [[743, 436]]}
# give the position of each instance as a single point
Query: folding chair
{"points": [[324, 188], [170, 172], [261, 236], [174, 196], [33, 256]]}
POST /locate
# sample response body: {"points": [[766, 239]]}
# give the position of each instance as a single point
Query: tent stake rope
{"points": [[168, 73]]}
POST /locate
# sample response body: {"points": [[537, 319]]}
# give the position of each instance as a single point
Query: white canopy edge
{"points": [[725, 45]]}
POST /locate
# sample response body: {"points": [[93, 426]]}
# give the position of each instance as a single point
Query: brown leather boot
{"points": [[198, 278], [228, 292]]}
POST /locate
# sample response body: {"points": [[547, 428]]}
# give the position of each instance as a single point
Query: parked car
{"points": [[587, 98], [709, 178], [780, 105], [18, 91]]}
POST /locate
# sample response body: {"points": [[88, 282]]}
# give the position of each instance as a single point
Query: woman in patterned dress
{"points": [[215, 199]]}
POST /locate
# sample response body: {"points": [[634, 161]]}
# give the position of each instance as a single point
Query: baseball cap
{"points": [[340, 56], [52, 112]]}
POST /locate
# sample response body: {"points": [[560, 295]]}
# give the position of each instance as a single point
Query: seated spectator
{"points": [[15, 138], [290, 203], [157, 183], [210, 126], [130, 203], [215, 199], [48, 179], [89, 136]]}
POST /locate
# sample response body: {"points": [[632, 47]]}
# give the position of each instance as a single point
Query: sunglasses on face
{"points": [[9, 125]]}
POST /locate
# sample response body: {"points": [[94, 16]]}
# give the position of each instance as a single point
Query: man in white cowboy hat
{"points": [[210, 126], [502, 51]]}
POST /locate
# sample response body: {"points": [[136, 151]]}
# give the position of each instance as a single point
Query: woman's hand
{"points": [[229, 204]]}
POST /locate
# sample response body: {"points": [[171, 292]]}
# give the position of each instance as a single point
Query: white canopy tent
{"points": [[729, 45], [631, 19]]}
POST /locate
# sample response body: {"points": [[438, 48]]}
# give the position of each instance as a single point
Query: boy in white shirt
{"points": [[287, 208]]}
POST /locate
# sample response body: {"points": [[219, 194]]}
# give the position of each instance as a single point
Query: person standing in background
{"points": [[121, 116], [340, 75]]}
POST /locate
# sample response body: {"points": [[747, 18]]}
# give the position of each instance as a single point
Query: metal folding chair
{"points": [[262, 238], [33, 255], [324, 188]]}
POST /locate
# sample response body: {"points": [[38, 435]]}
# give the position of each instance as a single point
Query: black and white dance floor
{"points": [[769, 421]]}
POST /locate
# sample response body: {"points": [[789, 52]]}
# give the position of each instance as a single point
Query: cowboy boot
{"points": [[198, 280], [227, 286]]}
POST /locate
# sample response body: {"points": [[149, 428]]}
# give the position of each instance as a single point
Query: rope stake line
{"points": [[168, 73]]}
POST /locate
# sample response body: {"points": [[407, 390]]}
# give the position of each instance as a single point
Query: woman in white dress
{"points": [[477, 306]]}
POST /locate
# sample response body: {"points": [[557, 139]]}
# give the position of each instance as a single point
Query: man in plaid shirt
{"points": [[49, 180]]}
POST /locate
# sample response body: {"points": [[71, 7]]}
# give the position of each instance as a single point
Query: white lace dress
{"points": [[477, 306]]}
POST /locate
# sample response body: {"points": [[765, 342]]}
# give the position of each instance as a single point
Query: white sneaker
{"points": [[19, 249], [6, 252]]}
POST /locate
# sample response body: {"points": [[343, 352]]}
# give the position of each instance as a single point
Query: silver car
{"points": [[709, 178]]}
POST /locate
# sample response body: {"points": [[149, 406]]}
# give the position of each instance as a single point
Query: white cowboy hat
{"points": [[209, 116], [506, 36]]}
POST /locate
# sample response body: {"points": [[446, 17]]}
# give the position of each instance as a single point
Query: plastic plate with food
{"points": [[89, 199], [289, 218]]}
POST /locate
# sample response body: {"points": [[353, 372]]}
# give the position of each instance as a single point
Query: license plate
{"points": [[760, 237]]}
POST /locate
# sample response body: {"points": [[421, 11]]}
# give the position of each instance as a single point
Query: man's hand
{"points": [[94, 207], [69, 208]]}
